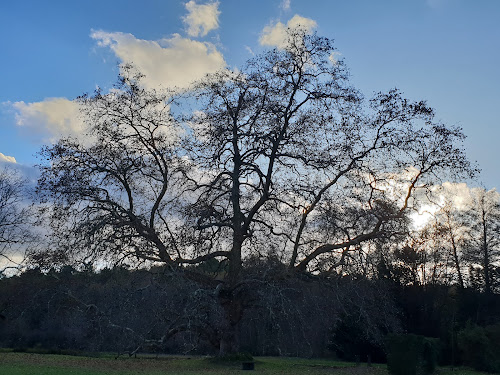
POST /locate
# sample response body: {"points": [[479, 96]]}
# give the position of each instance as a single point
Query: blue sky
{"points": [[444, 51]]}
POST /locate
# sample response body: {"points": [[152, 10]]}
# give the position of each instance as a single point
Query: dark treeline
{"points": [[157, 311]]}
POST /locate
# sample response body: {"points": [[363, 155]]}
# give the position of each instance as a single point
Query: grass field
{"points": [[49, 364]]}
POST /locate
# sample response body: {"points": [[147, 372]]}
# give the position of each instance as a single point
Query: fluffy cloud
{"points": [[275, 35], [174, 62], [50, 119], [166, 63], [201, 18], [7, 159]]}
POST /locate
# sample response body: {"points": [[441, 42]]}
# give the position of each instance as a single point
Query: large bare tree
{"points": [[282, 159]]}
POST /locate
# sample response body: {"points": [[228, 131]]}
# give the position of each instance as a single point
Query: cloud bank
{"points": [[201, 18]]}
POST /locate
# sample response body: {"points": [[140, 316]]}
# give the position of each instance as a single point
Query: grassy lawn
{"points": [[48, 364]]}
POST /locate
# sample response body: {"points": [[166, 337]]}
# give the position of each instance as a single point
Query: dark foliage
{"points": [[479, 347], [160, 311], [411, 354], [163, 312]]}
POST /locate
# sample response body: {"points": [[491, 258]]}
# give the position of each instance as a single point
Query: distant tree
{"points": [[443, 239], [15, 219], [454, 233], [282, 159], [483, 250], [466, 236]]}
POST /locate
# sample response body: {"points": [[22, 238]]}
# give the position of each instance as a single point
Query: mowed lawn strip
{"points": [[50, 364]]}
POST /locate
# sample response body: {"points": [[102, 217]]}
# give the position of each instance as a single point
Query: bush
{"points": [[479, 347], [411, 354], [351, 342]]}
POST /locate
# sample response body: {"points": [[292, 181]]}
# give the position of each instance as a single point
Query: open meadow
{"points": [[49, 364]]}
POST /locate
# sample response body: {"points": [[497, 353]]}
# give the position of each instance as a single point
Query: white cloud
{"points": [[285, 5], [7, 159], [174, 62], [275, 35], [166, 63], [201, 18], [50, 119]]}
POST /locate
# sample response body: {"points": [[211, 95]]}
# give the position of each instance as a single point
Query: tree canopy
{"points": [[282, 159]]}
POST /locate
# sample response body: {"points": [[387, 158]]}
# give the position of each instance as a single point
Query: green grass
{"points": [[459, 371], [49, 364]]}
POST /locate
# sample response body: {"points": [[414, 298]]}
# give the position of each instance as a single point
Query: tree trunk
{"points": [[486, 260], [455, 256], [231, 301], [229, 342], [235, 260], [231, 295]]}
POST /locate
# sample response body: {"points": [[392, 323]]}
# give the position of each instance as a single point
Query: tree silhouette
{"points": [[280, 160]]}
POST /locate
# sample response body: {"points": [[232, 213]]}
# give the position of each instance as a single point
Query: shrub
{"points": [[411, 354], [351, 342], [479, 347]]}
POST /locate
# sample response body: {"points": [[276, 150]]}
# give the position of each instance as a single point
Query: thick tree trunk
{"points": [[233, 276], [231, 301], [229, 343]]}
